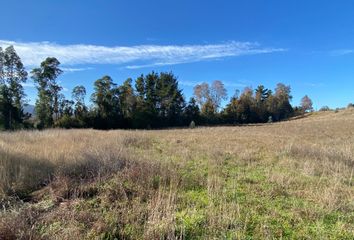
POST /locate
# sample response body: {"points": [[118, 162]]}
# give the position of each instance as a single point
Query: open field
{"points": [[290, 180]]}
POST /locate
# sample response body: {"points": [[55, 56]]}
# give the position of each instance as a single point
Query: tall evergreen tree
{"points": [[106, 100], [143, 116], [2, 88], [66, 107], [2, 66], [6, 107], [261, 95], [55, 89], [12, 76], [78, 95], [127, 100], [47, 104], [150, 107], [159, 100], [192, 111], [170, 100], [102, 96]]}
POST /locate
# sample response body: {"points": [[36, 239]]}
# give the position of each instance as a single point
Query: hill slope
{"points": [[29, 109], [290, 179]]}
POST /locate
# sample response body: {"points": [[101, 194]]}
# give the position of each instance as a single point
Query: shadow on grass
{"points": [[20, 174]]}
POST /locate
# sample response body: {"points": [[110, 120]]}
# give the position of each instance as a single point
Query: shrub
{"points": [[192, 124], [324, 109], [69, 122], [38, 125]]}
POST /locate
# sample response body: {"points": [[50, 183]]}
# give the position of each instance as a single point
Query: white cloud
{"points": [[226, 83], [235, 84], [70, 70], [188, 83], [32, 53], [311, 84], [341, 52]]}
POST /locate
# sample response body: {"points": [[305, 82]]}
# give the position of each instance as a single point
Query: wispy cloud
{"points": [[226, 83], [341, 52], [312, 84], [234, 84], [32, 53], [70, 70], [188, 83]]}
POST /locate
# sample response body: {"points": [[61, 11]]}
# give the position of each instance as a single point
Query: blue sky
{"points": [[306, 44]]}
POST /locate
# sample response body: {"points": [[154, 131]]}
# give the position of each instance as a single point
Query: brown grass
{"points": [[290, 179]]}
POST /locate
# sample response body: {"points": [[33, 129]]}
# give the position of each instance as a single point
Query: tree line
{"points": [[154, 100]]}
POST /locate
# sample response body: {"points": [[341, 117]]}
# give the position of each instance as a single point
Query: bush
{"points": [[38, 125], [350, 105], [69, 122], [324, 109], [192, 124]]}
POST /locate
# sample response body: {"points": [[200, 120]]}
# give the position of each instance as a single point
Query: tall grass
{"points": [[290, 179]]}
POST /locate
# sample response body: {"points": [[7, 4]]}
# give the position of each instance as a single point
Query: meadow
{"points": [[286, 180]]}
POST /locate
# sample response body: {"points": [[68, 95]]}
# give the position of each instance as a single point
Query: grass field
{"points": [[287, 180]]}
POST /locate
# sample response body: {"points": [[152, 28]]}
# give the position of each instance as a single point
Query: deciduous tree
{"points": [[218, 93], [306, 104]]}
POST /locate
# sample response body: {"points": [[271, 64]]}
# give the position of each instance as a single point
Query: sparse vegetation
{"points": [[324, 109], [289, 180]]}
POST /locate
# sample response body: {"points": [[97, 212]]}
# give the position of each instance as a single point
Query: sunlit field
{"points": [[289, 180]]}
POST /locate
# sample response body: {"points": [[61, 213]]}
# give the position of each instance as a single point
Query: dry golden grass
{"points": [[291, 179]]}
